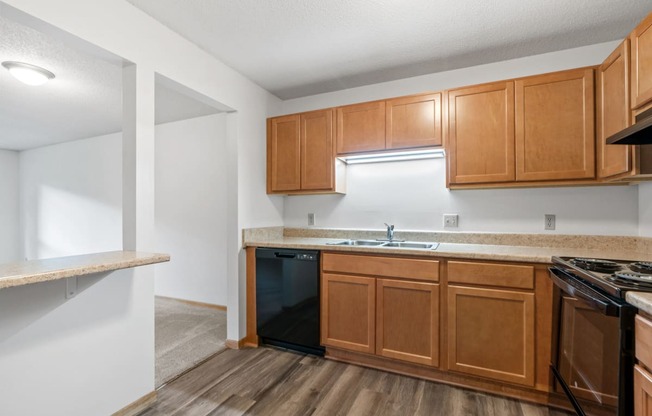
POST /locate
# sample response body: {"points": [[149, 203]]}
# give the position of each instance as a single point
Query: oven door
{"points": [[594, 358]]}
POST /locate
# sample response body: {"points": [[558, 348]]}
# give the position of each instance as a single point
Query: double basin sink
{"points": [[387, 244]]}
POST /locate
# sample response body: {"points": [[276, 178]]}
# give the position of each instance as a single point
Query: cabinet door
{"points": [[317, 159], [641, 39], [361, 128], [491, 333], [348, 306], [613, 112], [283, 154], [407, 323], [642, 392], [481, 133], [414, 121], [555, 138]]}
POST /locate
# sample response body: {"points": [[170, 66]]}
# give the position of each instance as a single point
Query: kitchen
{"points": [[617, 210]]}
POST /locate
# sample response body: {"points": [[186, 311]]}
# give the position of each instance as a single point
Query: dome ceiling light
{"points": [[27, 73]]}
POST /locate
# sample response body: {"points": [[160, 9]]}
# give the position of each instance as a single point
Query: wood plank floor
{"points": [[267, 381]]}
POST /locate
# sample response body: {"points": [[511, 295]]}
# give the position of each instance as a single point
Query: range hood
{"points": [[638, 133]]}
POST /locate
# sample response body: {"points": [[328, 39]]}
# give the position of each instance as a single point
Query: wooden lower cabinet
{"points": [[642, 392], [368, 307], [407, 321], [491, 333], [484, 325], [348, 312]]}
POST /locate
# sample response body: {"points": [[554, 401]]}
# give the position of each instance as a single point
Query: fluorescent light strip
{"points": [[394, 156]]}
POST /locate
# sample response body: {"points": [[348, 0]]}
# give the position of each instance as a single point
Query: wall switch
{"points": [[549, 222], [450, 220], [311, 219]]}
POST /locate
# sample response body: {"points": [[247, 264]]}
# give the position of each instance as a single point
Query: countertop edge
{"points": [[81, 265], [641, 300], [494, 255], [525, 254]]}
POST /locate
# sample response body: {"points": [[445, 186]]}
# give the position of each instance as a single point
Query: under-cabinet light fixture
{"points": [[394, 156], [27, 73]]}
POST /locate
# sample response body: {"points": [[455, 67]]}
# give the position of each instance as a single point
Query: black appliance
{"points": [[287, 299], [594, 355], [638, 133]]}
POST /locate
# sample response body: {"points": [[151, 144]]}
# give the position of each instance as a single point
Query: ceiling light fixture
{"points": [[27, 73], [394, 156]]}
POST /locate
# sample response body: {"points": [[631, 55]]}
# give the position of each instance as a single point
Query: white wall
{"points": [[514, 68], [125, 31], [71, 197], [645, 209], [9, 215], [191, 208], [80, 356], [413, 195]]}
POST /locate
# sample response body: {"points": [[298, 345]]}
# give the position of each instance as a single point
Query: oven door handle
{"points": [[586, 295]]}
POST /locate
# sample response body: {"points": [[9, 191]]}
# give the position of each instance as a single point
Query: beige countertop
{"points": [[36, 271], [643, 301], [527, 248], [453, 250]]}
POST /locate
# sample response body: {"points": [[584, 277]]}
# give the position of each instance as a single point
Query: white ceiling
{"points": [[295, 48], [292, 48], [84, 100]]}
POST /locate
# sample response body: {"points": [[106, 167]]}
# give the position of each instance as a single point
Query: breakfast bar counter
{"points": [[36, 271]]}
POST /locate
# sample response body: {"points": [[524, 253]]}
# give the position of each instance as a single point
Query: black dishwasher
{"points": [[287, 298]]}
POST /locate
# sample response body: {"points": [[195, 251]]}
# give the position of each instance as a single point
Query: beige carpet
{"points": [[185, 336]]}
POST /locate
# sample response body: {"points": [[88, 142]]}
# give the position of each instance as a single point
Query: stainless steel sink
{"points": [[411, 244], [371, 243], [388, 244]]}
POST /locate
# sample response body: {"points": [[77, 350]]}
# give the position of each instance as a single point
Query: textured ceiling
{"points": [[84, 100], [296, 48]]}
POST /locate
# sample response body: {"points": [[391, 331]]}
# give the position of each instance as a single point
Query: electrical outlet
{"points": [[71, 287], [311, 219], [549, 222], [450, 220]]}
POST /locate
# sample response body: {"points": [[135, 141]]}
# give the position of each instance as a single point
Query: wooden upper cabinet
{"points": [[284, 154], [613, 112], [361, 128], [555, 137], [300, 153], [317, 158], [413, 121], [481, 133], [407, 321], [641, 40]]}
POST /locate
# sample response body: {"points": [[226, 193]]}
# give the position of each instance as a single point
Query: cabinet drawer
{"points": [[643, 331], [421, 269], [489, 274]]}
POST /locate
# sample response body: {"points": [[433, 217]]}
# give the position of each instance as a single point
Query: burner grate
{"points": [[641, 267], [635, 277], [596, 265]]}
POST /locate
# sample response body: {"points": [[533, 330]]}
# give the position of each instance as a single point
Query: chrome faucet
{"points": [[390, 232]]}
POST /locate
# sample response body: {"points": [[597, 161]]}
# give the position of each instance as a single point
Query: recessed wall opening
{"points": [[191, 225]]}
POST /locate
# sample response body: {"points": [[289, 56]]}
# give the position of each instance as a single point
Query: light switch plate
{"points": [[311, 219]]}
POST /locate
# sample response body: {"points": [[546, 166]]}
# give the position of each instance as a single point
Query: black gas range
{"points": [[594, 355], [615, 277]]}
